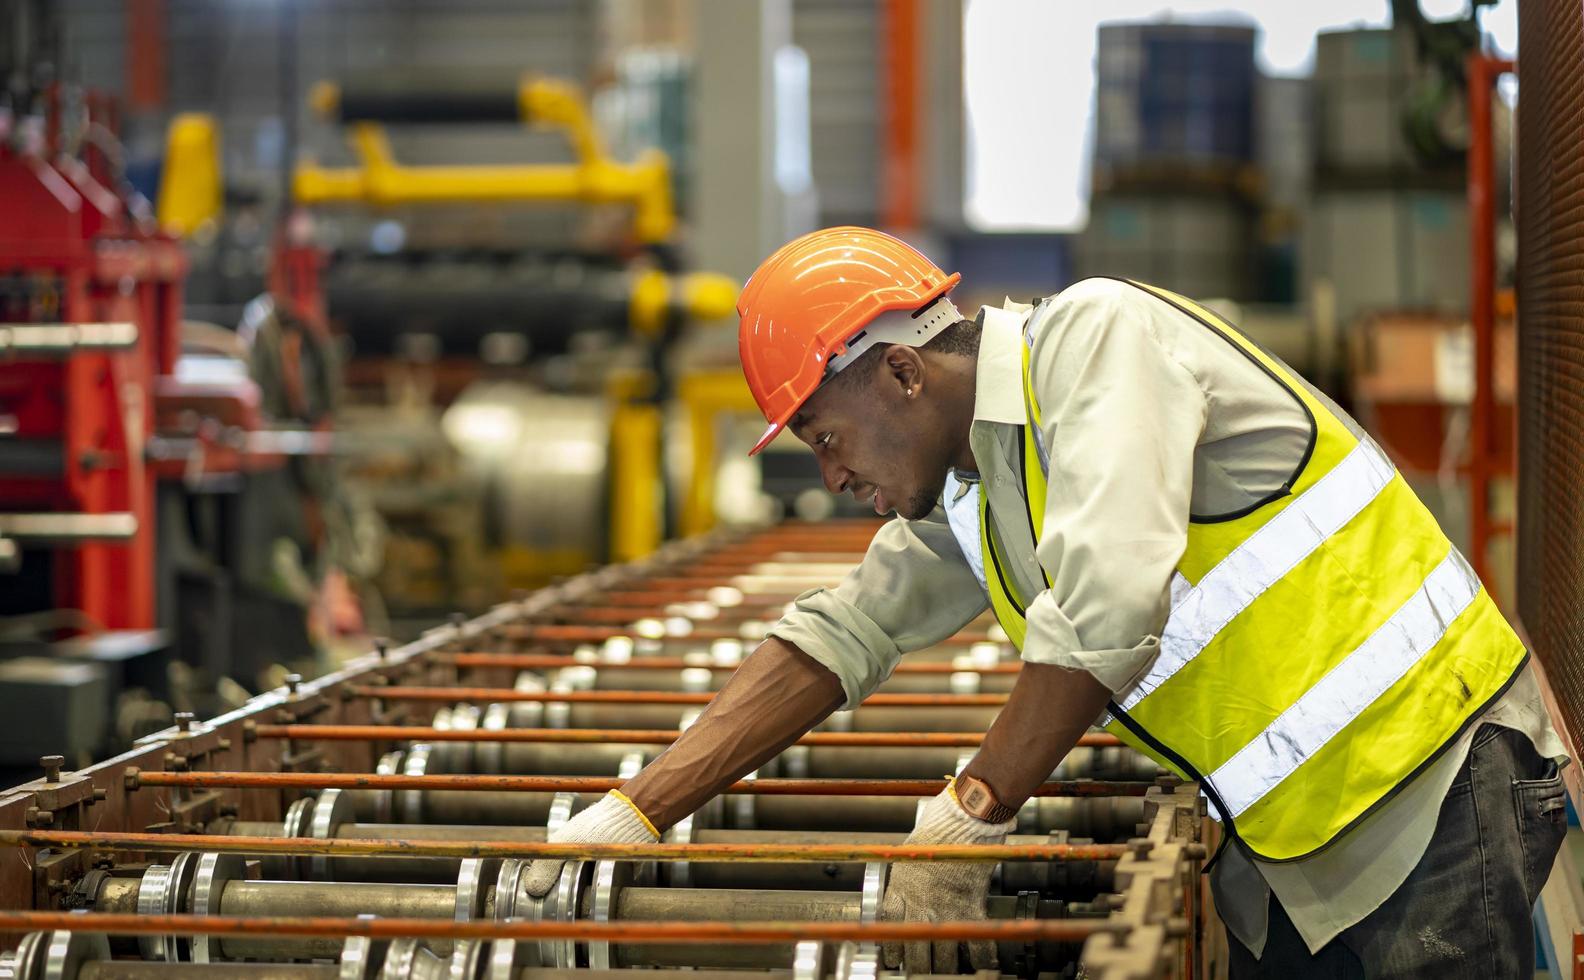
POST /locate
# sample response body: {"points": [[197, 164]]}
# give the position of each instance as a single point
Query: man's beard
{"points": [[923, 501]]}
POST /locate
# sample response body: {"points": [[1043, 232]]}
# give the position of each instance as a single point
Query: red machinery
{"points": [[90, 317], [93, 408]]}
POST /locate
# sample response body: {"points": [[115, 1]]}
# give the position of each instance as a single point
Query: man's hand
{"points": [[613, 820], [940, 891]]}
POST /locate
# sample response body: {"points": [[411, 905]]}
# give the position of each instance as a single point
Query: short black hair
{"points": [[960, 339]]}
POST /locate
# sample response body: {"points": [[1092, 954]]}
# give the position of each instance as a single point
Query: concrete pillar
{"points": [[740, 211]]}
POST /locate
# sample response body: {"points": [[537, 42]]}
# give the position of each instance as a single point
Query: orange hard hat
{"points": [[805, 304]]}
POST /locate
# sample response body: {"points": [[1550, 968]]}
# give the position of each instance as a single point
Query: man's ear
{"points": [[904, 369]]}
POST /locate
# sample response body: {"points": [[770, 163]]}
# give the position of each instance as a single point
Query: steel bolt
{"points": [[52, 767], [293, 681], [184, 721], [382, 647]]}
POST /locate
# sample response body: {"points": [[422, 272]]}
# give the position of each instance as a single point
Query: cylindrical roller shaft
{"points": [[269, 899], [413, 869], [1102, 818], [1017, 876], [139, 970], [733, 905], [136, 970], [1093, 879]]}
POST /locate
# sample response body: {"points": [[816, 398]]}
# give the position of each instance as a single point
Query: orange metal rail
{"points": [[592, 633], [637, 736], [122, 924], [500, 694], [136, 778], [756, 853], [555, 661]]}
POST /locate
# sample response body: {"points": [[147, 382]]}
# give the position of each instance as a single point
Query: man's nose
{"points": [[835, 475]]}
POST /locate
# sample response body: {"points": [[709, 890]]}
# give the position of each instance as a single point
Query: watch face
{"points": [[977, 798]]}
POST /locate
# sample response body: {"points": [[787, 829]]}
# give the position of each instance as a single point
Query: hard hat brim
{"points": [[768, 437]]}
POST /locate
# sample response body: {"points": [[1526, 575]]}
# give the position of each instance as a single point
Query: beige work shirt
{"points": [[1149, 417]]}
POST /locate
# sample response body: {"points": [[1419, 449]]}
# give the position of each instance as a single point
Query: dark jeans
{"points": [[1465, 910]]}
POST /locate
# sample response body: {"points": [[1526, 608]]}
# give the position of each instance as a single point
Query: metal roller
{"points": [[90, 960], [587, 891], [700, 874]]}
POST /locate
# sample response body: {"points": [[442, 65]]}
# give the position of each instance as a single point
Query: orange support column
{"points": [[900, 87], [1483, 71]]}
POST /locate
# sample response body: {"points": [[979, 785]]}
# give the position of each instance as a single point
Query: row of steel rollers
{"points": [[76, 955]]}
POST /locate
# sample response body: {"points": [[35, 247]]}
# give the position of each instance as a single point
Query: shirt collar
{"points": [[998, 380]]}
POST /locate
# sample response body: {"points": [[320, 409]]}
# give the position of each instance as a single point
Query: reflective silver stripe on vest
{"points": [[962, 514], [1349, 687], [1260, 561]]}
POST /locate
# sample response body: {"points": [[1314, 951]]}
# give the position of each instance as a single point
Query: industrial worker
{"points": [[1190, 545]]}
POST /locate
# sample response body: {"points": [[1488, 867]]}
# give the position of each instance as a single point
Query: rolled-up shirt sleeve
{"points": [[1120, 417], [912, 590]]}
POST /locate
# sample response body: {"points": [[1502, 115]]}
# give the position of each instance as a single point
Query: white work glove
{"points": [[613, 820], [941, 891]]}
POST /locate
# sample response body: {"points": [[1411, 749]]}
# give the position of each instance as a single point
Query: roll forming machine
{"points": [[376, 822]]}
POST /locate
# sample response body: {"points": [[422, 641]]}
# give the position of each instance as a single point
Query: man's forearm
{"points": [[1047, 711], [777, 695]]}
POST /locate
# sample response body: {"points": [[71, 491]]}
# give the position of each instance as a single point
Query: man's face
{"points": [[875, 443]]}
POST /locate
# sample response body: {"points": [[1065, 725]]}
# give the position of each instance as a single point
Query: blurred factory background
{"points": [[407, 305]]}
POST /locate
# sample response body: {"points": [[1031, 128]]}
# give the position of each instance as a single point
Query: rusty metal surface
{"points": [[1550, 214], [396, 847], [1035, 930]]}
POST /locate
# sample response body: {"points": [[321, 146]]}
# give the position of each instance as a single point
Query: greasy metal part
{"points": [[332, 810], [505, 694], [594, 784], [215, 872], [134, 970], [361, 956], [66, 952]]}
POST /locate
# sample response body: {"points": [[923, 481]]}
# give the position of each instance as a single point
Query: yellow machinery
{"points": [[594, 178], [658, 300]]}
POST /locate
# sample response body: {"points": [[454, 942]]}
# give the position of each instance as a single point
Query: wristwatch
{"points": [[978, 800]]}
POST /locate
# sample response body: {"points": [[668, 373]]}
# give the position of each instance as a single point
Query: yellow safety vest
{"points": [[1322, 647]]}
